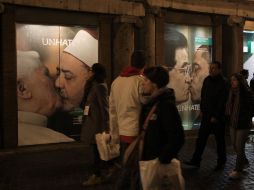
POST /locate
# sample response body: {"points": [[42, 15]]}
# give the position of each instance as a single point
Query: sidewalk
{"points": [[61, 170], [206, 178]]}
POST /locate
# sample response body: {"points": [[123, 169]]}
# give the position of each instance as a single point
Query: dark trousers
{"points": [[129, 177], [205, 130], [98, 164]]}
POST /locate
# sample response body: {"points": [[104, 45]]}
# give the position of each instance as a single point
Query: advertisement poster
{"points": [[248, 52], [188, 51], [51, 80]]}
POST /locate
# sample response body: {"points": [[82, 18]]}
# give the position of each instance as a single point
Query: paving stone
{"points": [[44, 171]]}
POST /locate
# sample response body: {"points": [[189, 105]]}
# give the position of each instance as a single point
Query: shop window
{"points": [[50, 83], [248, 52], [188, 51]]}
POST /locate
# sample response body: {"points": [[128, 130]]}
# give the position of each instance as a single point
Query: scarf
{"points": [[130, 71], [232, 107]]}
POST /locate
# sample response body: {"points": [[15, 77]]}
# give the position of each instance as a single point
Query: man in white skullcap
{"points": [[37, 100], [74, 70]]}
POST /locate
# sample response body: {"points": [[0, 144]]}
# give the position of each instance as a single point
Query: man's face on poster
{"points": [[43, 93], [179, 75], [200, 70], [72, 75]]}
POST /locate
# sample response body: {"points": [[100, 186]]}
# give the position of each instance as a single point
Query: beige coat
{"points": [[125, 106]]}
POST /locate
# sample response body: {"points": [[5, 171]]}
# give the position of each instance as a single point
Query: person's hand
{"points": [[114, 139], [213, 120], [107, 138]]}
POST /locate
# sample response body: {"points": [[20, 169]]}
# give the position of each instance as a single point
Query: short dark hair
{"points": [[157, 75], [99, 72], [138, 59], [244, 72], [216, 63], [173, 40]]}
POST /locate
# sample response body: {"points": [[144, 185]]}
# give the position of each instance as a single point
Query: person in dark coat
{"points": [[164, 135], [214, 95], [96, 117], [239, 112]]}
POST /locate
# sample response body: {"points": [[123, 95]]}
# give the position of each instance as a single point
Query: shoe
{"points": [[219, 167], [111, 171], [192, 163], [93, 180], [235, 175]]}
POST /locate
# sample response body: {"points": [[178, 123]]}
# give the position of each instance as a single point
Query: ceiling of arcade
{"points": [[242, 8]]}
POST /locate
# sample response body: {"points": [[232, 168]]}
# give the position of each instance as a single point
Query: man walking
{"points": [[213, 99], [125, 102]]}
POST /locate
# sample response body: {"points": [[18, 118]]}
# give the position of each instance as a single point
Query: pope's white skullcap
{"points": [[27, 57], [27, 62], [84, 47]]}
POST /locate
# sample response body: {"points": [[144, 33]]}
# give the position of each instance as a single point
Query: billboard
{"points": [[51, 80], [188, 51], [248, 52]]}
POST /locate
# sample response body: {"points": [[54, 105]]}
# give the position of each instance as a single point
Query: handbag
{"points": [[107, 150], [153, 174], [134, 151]]}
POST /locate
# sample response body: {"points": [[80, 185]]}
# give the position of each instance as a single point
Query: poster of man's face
{"points": [[248, 52], [51, 77], [188, 53]]}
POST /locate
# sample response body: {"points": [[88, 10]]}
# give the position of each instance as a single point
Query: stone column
{"points": [[149, 38], [123, 43], [236, 24]]}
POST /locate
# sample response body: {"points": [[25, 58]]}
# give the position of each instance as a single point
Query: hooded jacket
{"points": [[164, 135]]}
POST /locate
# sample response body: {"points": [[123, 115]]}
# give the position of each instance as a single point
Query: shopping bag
{"points": [[151, 178], [172, 172], [107, 149], [155, 175]]}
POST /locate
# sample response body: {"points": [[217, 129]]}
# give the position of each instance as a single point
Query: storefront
{"points": [[33, 38], [248, 48], [191, 39], [188, 46]]}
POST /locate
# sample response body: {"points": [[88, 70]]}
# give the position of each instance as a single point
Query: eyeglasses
{"points": [[186, 70]]}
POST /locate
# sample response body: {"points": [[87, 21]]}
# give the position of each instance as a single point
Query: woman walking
{"points": [[95, 106], [239, 113]]}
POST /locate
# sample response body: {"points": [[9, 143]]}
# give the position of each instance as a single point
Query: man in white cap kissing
{"points": [[74, 70]]}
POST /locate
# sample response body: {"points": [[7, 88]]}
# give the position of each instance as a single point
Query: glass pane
{"points": [[248, 52], [188, 51], [51, 80]]}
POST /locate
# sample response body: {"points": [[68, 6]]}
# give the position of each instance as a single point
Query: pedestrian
{"points": [[164, 133], [125, 102], [95, 106], [239, 113], [214, 94]]}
